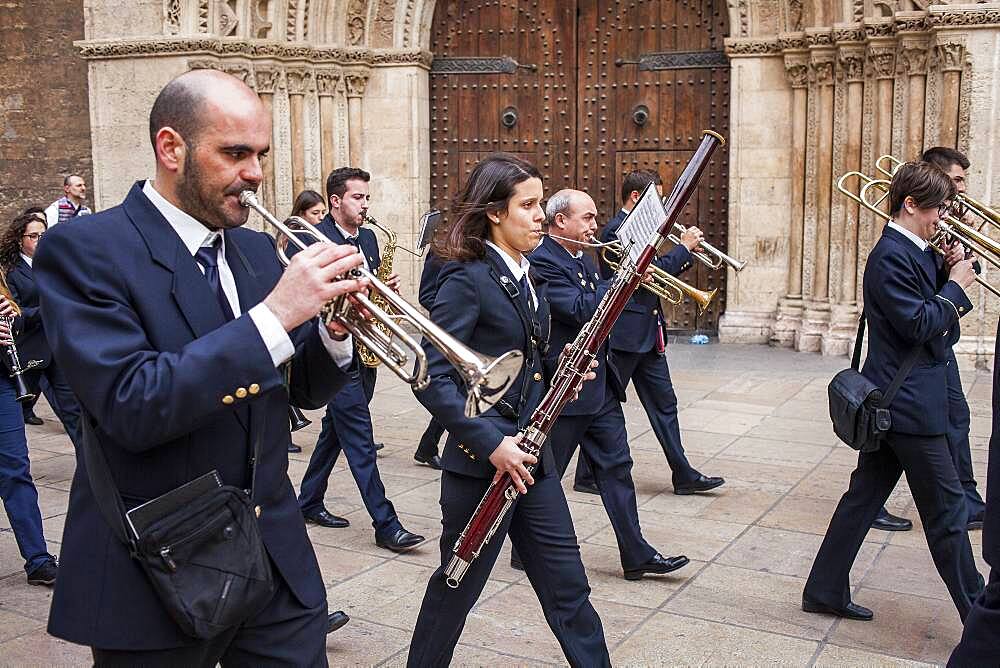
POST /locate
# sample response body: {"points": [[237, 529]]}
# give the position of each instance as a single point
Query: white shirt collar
{"points": [[193, 234], [576, 256], [346, 234], [518, 270], [921, 244], [26, 258]]}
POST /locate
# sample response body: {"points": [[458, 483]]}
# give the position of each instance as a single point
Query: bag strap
{"points": [[901, 374], [109, 501]]}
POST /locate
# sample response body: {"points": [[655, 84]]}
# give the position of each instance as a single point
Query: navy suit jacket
{"points": [[31, 341], [175, 391], [574, 289], [473, 306], [635, 330], [905, 308], [429, 280]]}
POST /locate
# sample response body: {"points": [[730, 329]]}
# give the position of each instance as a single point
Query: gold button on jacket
{"points": [[254, 388], [228, 399]]}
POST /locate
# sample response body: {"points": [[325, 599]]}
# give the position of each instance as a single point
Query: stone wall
{"points": [[44, 109]]}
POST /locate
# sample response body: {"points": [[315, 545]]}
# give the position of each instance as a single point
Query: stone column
{"points": [[912, 63], [950, 55], [327, 84], [300, 82], [267, 83], [355, 81], [847, 157], [818, 184], [789, 316]]}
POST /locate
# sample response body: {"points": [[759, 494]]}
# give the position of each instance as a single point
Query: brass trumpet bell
{"points": [[664, 285]]}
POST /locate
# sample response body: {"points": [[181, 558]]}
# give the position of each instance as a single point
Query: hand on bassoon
{"points": [[508, 458]]}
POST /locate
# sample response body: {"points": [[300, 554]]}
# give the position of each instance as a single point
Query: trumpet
{"points": [[948, 227], [664, 285], [706, 253], [487, 378]]}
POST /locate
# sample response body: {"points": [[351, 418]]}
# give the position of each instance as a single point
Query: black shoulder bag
{"points": [[199, 544], [858, 408]]}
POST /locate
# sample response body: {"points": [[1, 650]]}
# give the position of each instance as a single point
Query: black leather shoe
{"points": [[586, 487], [325, 518], [975, 523], [657, 565], [428, 460], [379, 445], [401, 541], [886, 521], [335, 620], [850, 611], [45, 575], [700, 484], [294, 448], [33, 419]]}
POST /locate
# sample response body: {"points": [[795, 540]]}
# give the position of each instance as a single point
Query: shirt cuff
{"points": [[278, 343], [342, 352]]}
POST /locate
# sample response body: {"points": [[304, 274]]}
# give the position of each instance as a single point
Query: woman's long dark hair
{"points": [[306, 200], [10, 242], [487, 190]]}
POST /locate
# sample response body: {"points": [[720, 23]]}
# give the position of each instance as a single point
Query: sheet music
{"points": [[428, 226], [642, 222]]}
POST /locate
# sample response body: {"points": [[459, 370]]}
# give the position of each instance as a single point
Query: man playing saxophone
{"points": [[347, 424]]}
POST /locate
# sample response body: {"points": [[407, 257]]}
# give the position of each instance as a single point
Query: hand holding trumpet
{"points": [[691, 238]]}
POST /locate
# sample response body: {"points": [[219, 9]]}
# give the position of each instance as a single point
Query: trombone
{"points": [[663, 284], [888, 164], [487, 378], [950, 226]]}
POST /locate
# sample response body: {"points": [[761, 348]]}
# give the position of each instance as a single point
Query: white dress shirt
{"points": [[194, 235], [357, 236], [517, 269], [921, 244], [26, 258]]}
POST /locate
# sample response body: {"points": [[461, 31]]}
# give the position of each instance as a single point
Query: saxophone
{"points": [[367, 357]]}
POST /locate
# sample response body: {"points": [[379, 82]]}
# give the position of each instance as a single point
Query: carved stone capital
{"points": [[797, 69], [912, 58], [964, 16], [882, 61], [742, 46], [328, 81], [269, 79], [821, 67], [879, 27], [792, 40], [911, 21], [950, 55], [300, 81], [241, 71], [355, 81], [848, 32], [851, 63], [819, 37]]}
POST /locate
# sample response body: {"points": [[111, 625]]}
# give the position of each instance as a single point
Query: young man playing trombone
{"points": [[908, 312]]}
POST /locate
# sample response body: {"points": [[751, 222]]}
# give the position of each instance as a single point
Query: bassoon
{"points": [[573, 366]]}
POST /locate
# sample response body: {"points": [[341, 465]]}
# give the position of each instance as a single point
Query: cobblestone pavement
{"points": [[753, 414]]}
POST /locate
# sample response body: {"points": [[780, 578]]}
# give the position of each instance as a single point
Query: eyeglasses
{"points": [[34, 236]]}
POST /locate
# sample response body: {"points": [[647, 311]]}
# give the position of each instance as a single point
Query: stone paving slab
{"points": [[753, 414]]}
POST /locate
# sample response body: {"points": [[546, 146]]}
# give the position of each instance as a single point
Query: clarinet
{"points": [[573, 366], [16, 370]]}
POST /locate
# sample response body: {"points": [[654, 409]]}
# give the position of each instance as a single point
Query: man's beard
{"points": [[197, 202]]}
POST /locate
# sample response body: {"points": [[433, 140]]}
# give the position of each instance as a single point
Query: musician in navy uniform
{"points": [[173, 325], [347, 424], [488, 299], [595, 420], [636, 345], [906, 309], [427, 448]]}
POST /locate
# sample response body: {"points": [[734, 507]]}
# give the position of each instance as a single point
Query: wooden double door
{"points": [[587, 90]]}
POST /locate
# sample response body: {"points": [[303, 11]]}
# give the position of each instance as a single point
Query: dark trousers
{"points": [[53, 385], [937, 492], [651, 376], [284, 633], [958, 440], [428, 446], [604, 439], [980, 644], [17, 489], [541, 529], [347, 426]]}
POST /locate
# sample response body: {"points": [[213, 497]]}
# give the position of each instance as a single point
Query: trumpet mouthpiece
{"points": [[248, 198]]}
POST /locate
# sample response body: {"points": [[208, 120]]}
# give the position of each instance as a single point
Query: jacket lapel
{"points": [[923, 259], [501, 274], [248, 287]]}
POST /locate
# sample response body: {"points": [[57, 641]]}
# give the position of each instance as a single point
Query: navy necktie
{"points": [[208, 258], [526, 293]]}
